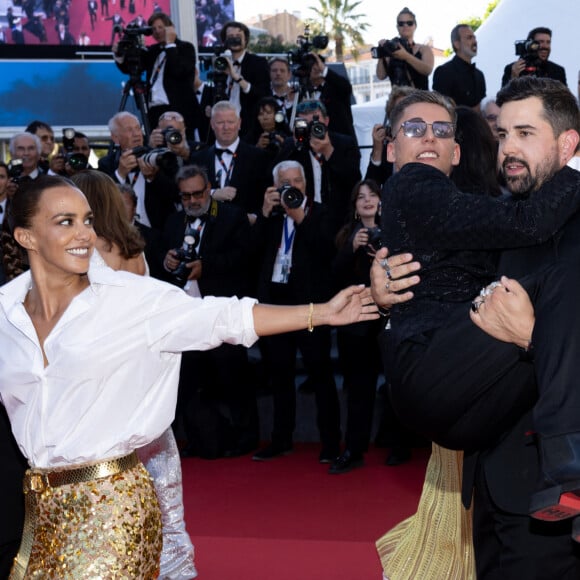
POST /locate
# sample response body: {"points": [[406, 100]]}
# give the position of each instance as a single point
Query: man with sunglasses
{"points": [[459, 78], [450, 380], [216, 403]]}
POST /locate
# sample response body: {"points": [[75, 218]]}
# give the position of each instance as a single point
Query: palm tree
{"points": [[338, 20]]}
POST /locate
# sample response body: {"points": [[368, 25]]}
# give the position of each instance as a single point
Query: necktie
{"points": [[237, 63], [220, 152]]}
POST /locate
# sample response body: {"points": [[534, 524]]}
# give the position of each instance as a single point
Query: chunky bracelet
{"points": [[310, 313]]}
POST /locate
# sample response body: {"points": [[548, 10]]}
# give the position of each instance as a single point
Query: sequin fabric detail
{"points": [[108, 528]]}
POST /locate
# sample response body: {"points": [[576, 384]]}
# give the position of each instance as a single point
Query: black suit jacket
{"points": [[161, 194], [339, 173], [255, 70], [224, 249], [178, 77], [549, 70], [335, 94], [312, 253], [250, 175]]}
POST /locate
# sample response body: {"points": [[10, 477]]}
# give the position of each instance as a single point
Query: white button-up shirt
{"points": [[113, 364]]}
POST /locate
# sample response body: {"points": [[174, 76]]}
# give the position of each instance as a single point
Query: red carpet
{"points": [[288, 519]]}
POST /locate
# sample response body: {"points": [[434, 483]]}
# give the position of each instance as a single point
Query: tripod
{"points": [[139, 89]]}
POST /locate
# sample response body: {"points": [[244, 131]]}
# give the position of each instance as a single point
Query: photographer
{"points": [[25, 150], [535, 62], [170, 70], [295, 248], [408, 63], [216, 401], [172, 134], [330, 160], [74, 153], [334, 91], [248, 73], [155, 190]]}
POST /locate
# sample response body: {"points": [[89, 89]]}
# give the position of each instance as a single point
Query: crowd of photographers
{"points": [[240, 185]]}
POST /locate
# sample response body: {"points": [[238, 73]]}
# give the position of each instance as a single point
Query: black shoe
{"points": [[345, 463], [271, 452], [328, 455], [398, 456]]}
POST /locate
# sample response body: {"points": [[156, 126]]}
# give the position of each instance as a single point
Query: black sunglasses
{"points": [[406, 23]]}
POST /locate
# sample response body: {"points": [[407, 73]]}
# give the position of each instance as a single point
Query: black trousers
{"points": [[11, 495], [360, 364], [462, 388]]}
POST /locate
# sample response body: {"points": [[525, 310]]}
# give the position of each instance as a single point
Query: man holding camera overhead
{"points": [[534, 53], [248, 73]]}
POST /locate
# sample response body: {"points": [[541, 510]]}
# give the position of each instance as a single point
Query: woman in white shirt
{"points": [[88, 374]]}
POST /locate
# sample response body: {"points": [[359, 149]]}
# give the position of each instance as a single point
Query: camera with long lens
{"points": [[77, 161], [273, 141], [130, 47], [301, 60], [186, 253], [15, 170], [398, 72], [528, 50], [291, 196], [172, 136], [160, 157], [303, 130]]}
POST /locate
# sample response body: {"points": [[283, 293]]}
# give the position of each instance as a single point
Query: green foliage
{"points": [[266, 44], [338, 19]]}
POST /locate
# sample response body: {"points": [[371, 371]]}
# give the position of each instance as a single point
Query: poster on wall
{"points": [[210, 16], [72, 22]]}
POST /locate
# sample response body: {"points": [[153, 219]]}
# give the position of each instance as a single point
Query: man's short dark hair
{"points": [[278, 59], [420, 96], [34, 126], [560, 108], [455, 36], [235, 24], [190, 171], [539, 30], [159, 16]]}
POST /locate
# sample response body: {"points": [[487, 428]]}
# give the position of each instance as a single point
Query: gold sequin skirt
{"points": [[108, 526], [435, 543]]}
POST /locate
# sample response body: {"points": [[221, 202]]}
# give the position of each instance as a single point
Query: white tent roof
{"points": [[512, 20]]}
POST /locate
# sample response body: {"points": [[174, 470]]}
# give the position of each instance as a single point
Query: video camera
{"points": [[301, 60], [77, 161], [160, 157], [303, 130], [528, 51], [130, 46]]}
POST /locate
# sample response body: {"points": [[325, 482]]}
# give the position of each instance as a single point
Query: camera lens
{"points": [[291, 196]]}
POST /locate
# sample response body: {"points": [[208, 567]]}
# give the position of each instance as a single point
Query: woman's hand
{"points": [[353, 304]]}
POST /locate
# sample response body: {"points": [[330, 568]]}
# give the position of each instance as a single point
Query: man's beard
{"points": [[522, 185]]}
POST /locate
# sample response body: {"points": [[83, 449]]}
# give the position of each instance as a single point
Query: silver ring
{"points": [[387, 285], [475, 305], [384, 264]]}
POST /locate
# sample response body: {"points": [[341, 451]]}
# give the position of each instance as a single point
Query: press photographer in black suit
{"points": [[170, 70], [331, 160], [249, 75], [536, 62], [214, 381]]}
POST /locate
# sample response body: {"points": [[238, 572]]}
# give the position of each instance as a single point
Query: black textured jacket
{"points": [[453, 235]]}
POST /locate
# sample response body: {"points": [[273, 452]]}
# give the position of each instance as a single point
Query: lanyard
{"points": [[227, 170], [288, 237], [158, 69]]}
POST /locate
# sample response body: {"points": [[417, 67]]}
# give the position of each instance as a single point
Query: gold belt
{"points": [[38, 480]]}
